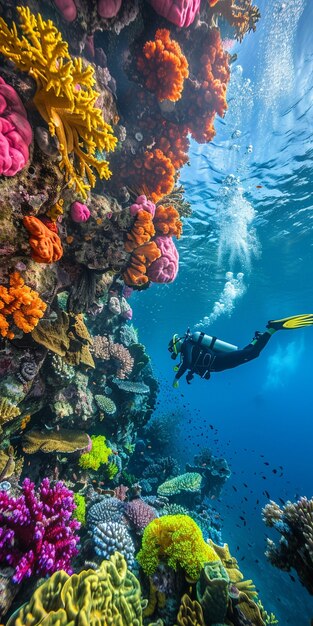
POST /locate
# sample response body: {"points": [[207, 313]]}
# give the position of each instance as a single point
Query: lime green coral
{"points": [[112, 470], [65, 97], [98, 455], [178, 540], [80, 511]]}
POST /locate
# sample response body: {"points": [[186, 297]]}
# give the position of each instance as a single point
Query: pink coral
{"points": [[142, 203], [67, 9], [37, 534], [79, 212], [108, 8], [139, 513], [164, 269], [179, 12], [120, 492], [15, 131]]}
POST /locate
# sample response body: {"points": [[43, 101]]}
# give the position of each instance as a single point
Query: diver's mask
{"points": [[175, 345]]}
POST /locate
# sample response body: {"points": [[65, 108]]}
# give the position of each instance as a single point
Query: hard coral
{"points": [[164, 269], [108, 595], [65, 97], [98, 455], [180, 12], [139, 513], [37, 534], [19, 305], [177, 540], [62, 440], [164, 67], [45, 243], [15, 131]]}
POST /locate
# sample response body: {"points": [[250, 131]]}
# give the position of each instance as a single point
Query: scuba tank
{"points": [[217, 345]]}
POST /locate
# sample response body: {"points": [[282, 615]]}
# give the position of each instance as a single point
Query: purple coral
{"points": [[37, 534], [142, 202], [15, 131], [179, 12], [140, 513], [164, 269]]}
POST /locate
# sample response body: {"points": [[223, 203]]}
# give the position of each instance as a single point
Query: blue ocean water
{"points": [[246, 257]]}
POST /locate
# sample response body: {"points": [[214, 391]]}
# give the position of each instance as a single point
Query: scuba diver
{"points": [[201, 354]]}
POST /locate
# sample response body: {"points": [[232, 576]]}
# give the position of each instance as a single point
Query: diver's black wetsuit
{"points": [[201, 360]]}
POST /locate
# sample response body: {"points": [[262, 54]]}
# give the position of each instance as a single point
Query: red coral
{"points": [[46, 245], [163, 66]]}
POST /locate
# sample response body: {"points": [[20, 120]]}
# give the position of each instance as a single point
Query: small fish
{"points": [[281, 501], [234, 488], [240, 517], [258, 186], [265, 493], [266, 463], [245, 485], [292, 578]]}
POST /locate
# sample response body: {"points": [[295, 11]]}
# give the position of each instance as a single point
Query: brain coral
{"points": [[15, 131], [108, 596]]}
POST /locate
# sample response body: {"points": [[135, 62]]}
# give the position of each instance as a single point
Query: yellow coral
{"points": [[65, 96], [7, 412]]}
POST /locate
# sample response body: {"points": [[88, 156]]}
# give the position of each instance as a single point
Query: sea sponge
{"points": [[45, 243], [98, 455], [212, 592], [158, 174], [163, 66], [177, 540], [167, 221], [141, 232], [65, 96], [108, 596], [136, 273], [165, 268], [62, 440], [19, 305]]}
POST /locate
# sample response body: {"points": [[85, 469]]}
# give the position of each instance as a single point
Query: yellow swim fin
{"points": [[294, 321]]}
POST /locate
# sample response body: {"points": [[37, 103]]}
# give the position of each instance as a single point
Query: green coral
{"points": [[177, 540], [80, 511], [191, 482], [98, 455], [105, 404], [111, 470]]}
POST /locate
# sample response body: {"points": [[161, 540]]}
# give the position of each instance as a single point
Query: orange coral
{"points": [[163, 66], [157, 174], [135, 275], [46, 245], [20, 303], [141, 232], [167, 222], [208, 96], [174, 143]]}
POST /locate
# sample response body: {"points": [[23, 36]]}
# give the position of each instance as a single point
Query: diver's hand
{"points": [[175, 383]]}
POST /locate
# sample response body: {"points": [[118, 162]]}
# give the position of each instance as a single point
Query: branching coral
{"points": [[163, 66], [178, 540], [65, 96], [15, 131], [37, 534], [241, 15], [98, 455], [45, 243], [295, 523], [19, 305], [105, 349]]}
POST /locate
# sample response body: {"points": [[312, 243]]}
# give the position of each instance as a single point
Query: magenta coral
{"points": [[165, 268], [15, 131], [79, 212], [139, 513], [142, 203], [37, 534], [179, 12]]}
